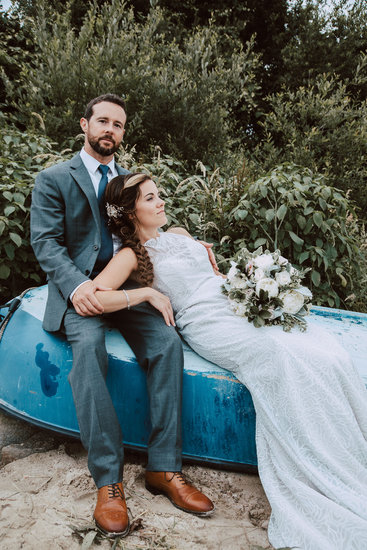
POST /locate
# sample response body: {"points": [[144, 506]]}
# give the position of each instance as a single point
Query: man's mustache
{"points": [[107, 137]]}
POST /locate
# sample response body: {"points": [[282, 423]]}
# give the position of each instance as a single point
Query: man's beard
{"points": [[103, 151]]}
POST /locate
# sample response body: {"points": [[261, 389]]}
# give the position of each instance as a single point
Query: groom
{"points": [[70, 238]]}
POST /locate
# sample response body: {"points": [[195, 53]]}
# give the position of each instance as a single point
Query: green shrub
{"points": [[179, 96], [23, 155], [291, 208], [323, 128]]}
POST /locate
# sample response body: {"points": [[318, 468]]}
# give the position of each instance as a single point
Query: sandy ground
{"points": [[47, 500]]}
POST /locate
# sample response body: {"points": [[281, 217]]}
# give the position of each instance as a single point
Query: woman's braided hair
{"points": [[121, 195]]}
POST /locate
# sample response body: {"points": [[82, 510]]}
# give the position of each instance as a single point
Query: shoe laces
{"points": [[180, 476], [114, 491]]}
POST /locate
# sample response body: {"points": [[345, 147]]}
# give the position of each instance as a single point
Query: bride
{"points": [[311, 405]]}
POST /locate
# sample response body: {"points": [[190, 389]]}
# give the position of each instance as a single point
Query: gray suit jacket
{"points": [[65, 232]]}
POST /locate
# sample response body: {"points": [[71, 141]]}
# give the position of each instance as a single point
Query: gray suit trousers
{"points": [[158, 350]]}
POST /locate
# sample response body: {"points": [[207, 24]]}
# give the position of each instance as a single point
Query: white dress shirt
{"points": [[92, 166]]}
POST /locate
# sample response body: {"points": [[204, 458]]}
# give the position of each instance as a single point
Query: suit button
{"points": [[95, 247], [87, 271]]}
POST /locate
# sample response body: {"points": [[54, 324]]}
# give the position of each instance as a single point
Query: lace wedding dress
{"points": [[311, 405]]}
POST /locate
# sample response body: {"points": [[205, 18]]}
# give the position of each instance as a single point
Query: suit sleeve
{"points": [[48, 236]]}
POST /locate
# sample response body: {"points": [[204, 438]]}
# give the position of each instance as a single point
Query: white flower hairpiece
{"points": [[114, 211]]}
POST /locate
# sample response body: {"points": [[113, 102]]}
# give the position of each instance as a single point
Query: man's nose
{"points": [[109, 128]]}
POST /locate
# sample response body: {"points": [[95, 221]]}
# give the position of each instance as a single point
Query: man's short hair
{"points": [[111, 98]]}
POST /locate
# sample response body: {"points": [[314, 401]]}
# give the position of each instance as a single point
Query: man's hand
{"points": [[208, 247], [85, 301]]}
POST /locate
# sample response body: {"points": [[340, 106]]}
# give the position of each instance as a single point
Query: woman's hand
{"points": [[163, 304]]}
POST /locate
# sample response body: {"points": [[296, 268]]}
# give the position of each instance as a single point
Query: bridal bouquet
{"points": [[266, 288]]}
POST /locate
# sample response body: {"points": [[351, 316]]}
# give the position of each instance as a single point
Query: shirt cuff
{"points": [[75, 289]]}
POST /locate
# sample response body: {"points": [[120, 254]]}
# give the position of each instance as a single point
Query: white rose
{"points": [[241, 310], [283, 278], [232, 272], [282, 260], [268, 285], [238, 282], [305, 291], [259, 274], [292, 301], [238, 308], [265, 261]]}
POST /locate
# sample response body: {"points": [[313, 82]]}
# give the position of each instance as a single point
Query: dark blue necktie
{"points": [[106, 250]]}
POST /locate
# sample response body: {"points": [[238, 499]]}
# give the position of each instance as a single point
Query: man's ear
{"points": [[84, 124]]}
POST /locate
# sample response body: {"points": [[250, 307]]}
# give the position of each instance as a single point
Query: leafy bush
{"points": [[291, 208], [179, 96], [23, 155], [320, 127]]}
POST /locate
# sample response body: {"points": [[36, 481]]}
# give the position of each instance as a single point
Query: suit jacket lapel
{"points": [[80, 174]]}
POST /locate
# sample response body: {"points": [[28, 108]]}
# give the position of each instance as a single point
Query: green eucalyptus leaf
{"points": [[303, 256], [16, 239], [317, 218], [301, 220], [308, 210], [269, 215], [316, 278], [259, 242], [10, 250], [241, 214], [8, 196], [281, 212], [295, 238], [258, 322], [8, 211], [323, 204], [4, 271]]}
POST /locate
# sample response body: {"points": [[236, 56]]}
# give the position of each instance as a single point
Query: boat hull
{"points": [[218, 413]]}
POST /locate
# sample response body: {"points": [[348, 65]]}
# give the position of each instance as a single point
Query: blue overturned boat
{"points": [[218, 413]]}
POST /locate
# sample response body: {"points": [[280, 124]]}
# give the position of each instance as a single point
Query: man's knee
{"points": [[86, 332], [171, 341]]}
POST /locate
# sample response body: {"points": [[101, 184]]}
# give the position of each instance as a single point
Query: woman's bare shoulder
{"points": [[126, 254], [179, 231]]}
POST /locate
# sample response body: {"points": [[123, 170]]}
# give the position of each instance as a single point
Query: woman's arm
{"points": [[118, 269], [116, 272]]}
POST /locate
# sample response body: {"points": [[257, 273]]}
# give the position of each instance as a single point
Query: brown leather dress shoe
{"points": [[110, 514], [181, 493]]}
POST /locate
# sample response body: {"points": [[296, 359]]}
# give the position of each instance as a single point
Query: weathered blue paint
{"points": [[218, 413]]}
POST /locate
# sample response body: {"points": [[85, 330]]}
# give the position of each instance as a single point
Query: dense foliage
{"points": [[19, 162], [251, 114], [179, 96], [290, 208], [322, 127]]}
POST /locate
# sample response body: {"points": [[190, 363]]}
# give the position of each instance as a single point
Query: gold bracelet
{"points": [[127, 298]]}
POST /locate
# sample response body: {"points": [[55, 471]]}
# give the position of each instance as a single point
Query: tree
{"points": [[322, 127], [321, 40], [179, 96]]}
